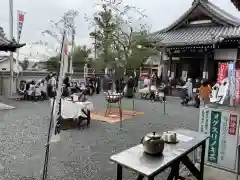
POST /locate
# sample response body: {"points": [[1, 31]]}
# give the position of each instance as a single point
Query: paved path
{"points": [[5, 106], [81, 154]]}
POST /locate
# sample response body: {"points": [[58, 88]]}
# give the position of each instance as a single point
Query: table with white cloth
{"points": [[77, 111]]}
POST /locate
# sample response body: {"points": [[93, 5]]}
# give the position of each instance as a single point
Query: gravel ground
{"points": [[81, 154]]}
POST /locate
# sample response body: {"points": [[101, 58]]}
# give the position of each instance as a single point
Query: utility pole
{"points": [[11, 38], [95, 46], [72, 51]]}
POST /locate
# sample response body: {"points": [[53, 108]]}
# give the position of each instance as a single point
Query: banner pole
{"points": [[11, 39], [45, 166]]}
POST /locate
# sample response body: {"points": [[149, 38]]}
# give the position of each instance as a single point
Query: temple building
{"points": [[196, 42], [236, 3], [7, 45]]}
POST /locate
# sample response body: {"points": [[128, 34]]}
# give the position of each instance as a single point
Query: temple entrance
{"points": [[195, 70], [192, 66]]}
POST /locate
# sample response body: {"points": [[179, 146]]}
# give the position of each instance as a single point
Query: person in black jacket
{"points": [[117, 82], [130, 87]]}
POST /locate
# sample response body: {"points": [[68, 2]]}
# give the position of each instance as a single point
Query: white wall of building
{"points": [[5, 66], [225, 54]]}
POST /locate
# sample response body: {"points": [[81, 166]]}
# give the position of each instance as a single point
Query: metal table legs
{"points": [[202, 160], [119, 172]]}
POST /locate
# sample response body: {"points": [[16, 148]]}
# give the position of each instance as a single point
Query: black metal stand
{"points": [[110, 105], [164, 105], [238, 163], [133, 106]]}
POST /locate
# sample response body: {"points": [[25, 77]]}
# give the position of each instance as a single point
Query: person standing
{"points": [[130, 87], [53, 83], [205, 92], [117, 82], [49, 87], [66, 81], [146, 82], [106, 80], [98, 85], [153, 88], [189, 86]]}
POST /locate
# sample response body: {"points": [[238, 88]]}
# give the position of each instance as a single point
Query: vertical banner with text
{"points": [[237, 86], [232, 82], [57, 104], [20, 21]]}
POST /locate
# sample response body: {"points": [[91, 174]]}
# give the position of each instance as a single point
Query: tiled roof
{"points": [[196, 35], [221, 13], [210, 9], [236, 3], [4, 41], [177, 35], [6, 45]]}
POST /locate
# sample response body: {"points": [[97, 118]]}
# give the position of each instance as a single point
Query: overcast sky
{"points": [[160, 14]]}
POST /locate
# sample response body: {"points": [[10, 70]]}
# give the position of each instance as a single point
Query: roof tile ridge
{"points": [[228, 15], [194, 5]]}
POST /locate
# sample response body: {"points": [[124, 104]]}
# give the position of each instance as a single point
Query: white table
{"points": [[76, 110], [149, 166]]}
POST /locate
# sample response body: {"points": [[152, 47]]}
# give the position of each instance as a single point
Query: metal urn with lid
{"points": [[153, 144]]}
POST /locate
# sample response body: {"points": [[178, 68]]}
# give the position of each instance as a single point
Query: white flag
{"points": [[57, 102]]}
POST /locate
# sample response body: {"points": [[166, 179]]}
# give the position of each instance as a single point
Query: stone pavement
{"points": [[216, 174], [81, 154]]}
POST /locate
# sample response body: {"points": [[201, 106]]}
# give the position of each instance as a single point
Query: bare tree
{"points": [[65, 24]]}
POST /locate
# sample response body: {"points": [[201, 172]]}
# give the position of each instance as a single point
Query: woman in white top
{"points": [[146, 82]]}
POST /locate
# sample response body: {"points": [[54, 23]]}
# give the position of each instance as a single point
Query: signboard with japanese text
{"points": [[222, 128]]}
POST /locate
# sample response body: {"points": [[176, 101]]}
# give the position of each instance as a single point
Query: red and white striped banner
{"points": [[20, 21], [222, 72]]}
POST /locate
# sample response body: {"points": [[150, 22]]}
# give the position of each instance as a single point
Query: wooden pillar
{"points": [[205, 64], [170, 64]]}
